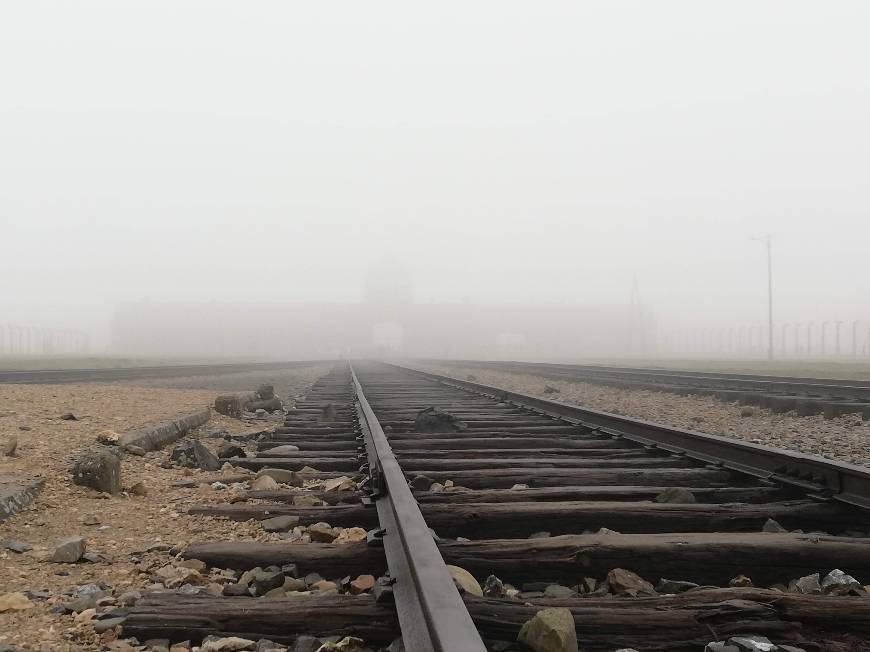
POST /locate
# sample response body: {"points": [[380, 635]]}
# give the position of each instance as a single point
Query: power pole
{"points": [[766, 241]]}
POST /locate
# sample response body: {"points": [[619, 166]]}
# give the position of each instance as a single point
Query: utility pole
{"points": [[766, 241]]}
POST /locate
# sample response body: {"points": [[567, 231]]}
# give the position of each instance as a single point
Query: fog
{"points": [[580, 178]]}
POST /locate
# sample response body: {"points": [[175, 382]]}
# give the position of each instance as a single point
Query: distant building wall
{"points": [[283, 330]]}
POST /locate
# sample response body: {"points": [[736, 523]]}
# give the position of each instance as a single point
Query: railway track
{"points": [[647, 537], [804, 396], [54, 376]]}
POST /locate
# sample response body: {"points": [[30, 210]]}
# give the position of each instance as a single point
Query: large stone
{"points": [[284, 476], [624, 582], [205, 459], [306, 643], [551, 630], [434, 419], [98, 469], [362, 584], [70, 550], [351, 535], [465, 581]]}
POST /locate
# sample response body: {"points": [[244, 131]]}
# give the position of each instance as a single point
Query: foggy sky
{"points": [[503, 151]]}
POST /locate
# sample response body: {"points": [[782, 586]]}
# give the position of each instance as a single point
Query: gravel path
{"points": [[846, 438], [118, 528]]}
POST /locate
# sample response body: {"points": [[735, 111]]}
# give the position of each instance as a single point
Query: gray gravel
{"points": [[846, 438]]}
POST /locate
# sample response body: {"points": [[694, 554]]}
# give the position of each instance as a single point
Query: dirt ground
{"points": [[122, 526]]}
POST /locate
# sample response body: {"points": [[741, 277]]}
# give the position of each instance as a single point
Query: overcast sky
{"points": [[504, 151]]}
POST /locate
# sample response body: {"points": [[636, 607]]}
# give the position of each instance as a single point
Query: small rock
{"points": [[809, 584], [138, 451], [327, 413], [720, 646], [436, 487], [279, 523], [838, 583], [305, 643], [16, 601], [752, 643], [69, 550], [677, 495], [90, 519], [228, 644], [465, 581], [264, 483], [772, 526], [624, 582], [549, 389], [8, 446], [339, 484], [68, 416], [351, 535], [747, 412], [139, 489], [129, 598], [284, 449], [493, 587], [321, 533], [539, 535], [519, 486], [559, 591], [219, 486], [420, 483], [230, 450], [15, 546], [362, 584], [284, 476], [551, 630], [323, 585], [741, 581], [433, 420], [265, 645]]}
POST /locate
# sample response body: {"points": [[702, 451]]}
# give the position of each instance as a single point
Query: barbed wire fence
{"points": [[17, 339], [832, 338]]}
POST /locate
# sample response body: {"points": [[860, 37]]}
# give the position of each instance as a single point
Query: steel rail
{"points": [[824, 478], [811, 387], [432, 615], [46, 376]]}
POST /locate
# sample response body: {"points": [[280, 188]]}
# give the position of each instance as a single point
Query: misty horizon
{"points": [[495, 153]]}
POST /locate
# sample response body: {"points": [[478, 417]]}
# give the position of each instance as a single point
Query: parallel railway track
{"points": [[805, 396], [558, 502]]}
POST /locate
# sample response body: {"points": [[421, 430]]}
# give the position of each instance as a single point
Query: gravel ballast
{"points": [[845, 438]]}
